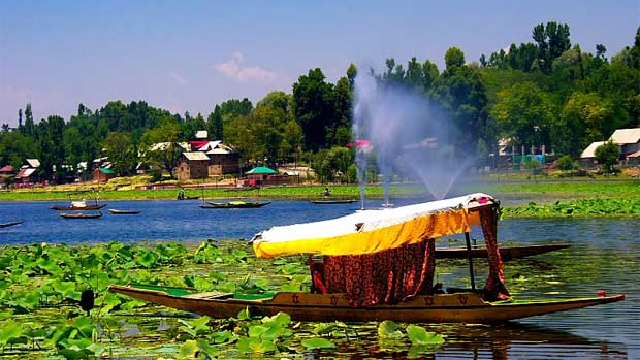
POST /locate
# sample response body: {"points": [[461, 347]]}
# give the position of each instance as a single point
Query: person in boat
{"points": [[181, 194], [326, 193]]}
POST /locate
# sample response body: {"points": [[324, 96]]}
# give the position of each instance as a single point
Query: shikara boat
{"points": [[333, 201], [506, 253], [379, 265], [10, 224], [80, 216], [189, 198], [233, 204], [117, 211], [79, 205], [442, 308]]}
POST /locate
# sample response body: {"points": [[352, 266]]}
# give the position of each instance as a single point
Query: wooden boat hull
{"points": [[116, 211], [507, 253], [344, 201], [88, 207], [215, 205], [10, 224], [80, 216], [445, 308]]}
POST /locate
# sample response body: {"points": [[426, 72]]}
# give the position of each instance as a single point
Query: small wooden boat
{"points": [[73, 207], [334, 201], [507, 253], [442, 308], [80, 216], [189, 198], [359, 278], [233, 204], [10, 224], [117, 211]]}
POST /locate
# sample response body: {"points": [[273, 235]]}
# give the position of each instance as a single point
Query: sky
{"points": [[191, 55]]}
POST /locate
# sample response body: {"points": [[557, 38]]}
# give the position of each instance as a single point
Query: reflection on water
{"points": [[604, 255]]}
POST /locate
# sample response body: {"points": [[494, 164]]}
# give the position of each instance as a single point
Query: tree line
{"points": [[546, 91]]}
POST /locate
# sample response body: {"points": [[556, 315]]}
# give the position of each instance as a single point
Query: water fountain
{"points": [[402, 125]]}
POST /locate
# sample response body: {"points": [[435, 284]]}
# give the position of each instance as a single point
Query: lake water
{"points": [[605, 255]]}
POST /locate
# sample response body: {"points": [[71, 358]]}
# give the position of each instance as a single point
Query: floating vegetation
{"points": [[42, 311], [582, 207]]}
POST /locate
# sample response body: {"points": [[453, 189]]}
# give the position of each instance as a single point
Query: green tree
{"points": [[585, 118], [525, 114], [50, 148], [160, 146], [119, 148], [565, 163], [607, 156], [313, 107], [215, 127], [454, 57], [461, 93]]}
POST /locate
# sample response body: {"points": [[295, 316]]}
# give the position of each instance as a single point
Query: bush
{"points": [[565, 163]]}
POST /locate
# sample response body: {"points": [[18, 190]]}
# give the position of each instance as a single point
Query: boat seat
{"points": [[209, 295]]}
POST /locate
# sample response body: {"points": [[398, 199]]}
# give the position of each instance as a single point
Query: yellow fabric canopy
{"points": [[371, 231]]}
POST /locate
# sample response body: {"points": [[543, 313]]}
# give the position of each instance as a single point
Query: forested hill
{"points": [[545, 90]]}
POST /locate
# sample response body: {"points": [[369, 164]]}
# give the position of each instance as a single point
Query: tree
{"points": [[313, 107], [454, 57], [607, 156], [29, 126], [460, 91], [565, 163], [525, 114], [585, 118], [600, 50], [121, 152], [160, 146], [215, 127], [553, 40]]}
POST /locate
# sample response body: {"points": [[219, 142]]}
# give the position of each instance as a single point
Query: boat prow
{"points": [[466, 307]]}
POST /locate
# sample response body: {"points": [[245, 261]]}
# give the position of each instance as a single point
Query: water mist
{"points": [[404, 128]]}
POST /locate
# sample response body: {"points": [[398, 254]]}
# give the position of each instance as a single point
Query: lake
{"points": [[605, 255]]}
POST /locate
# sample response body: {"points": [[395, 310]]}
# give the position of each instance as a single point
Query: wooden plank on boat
{"points": [[507, 253]]}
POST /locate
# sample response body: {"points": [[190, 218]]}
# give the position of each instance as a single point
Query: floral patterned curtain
{"points": [[386, 277], [494, 288]]}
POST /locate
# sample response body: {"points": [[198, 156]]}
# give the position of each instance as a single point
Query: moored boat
{"points": [[80, 215], [379, 265], [80, 205], [119, 211], [441, 308], [10, 224], [233, 204], [333, 201]]}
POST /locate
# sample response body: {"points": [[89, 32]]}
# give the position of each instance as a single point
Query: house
{"points": [[207, 158], [103, 174], [27, 176], [628, 141], [264, 176], [193, 165], [588, 156]]}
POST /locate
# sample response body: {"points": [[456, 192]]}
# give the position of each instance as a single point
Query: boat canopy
{"points": [[372, 231]]}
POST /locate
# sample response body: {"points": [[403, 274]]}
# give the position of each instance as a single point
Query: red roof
{"points": [[197, 144], [7, 168]]}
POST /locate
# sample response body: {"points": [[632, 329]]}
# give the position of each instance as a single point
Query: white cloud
{"points": [[178, 78], [235, 69]]}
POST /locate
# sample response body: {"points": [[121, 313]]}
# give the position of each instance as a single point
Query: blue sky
{"points": [[192, 55]]}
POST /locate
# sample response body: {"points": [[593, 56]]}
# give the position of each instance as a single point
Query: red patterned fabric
{"points": [[495, 287], [386, 277]]}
